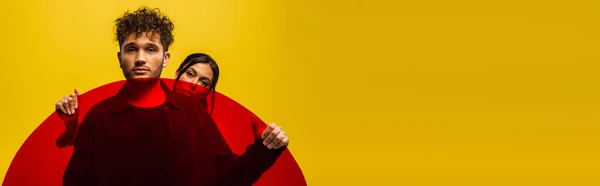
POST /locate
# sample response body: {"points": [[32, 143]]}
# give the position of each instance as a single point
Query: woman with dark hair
{"points": [[198, 69]]}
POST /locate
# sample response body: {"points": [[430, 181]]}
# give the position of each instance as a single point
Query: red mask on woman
{"points": [[194, 90]]}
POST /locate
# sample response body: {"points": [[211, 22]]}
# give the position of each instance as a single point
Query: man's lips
{"points": [[140, 70]]}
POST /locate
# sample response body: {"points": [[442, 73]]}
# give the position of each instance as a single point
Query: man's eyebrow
{"points": [[151, 44], [129, 44]]}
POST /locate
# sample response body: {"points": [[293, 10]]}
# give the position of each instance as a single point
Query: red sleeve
{"points": [[231, 168], [70, 121], [80, 168], [258, 125]]}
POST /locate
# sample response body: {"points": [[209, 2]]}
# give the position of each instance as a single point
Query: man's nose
{"points": [[140, 58]]}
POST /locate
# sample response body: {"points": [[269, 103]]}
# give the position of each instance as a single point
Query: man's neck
{"points": [[145, 93]]}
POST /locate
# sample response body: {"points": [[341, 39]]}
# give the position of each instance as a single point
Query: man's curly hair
{"points": [[151, 21]]}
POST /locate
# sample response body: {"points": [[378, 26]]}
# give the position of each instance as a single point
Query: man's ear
{"points": [[119, 58], [166, 59]]}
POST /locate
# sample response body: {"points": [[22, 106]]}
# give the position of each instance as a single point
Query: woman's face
{"points": [[199, 74]]}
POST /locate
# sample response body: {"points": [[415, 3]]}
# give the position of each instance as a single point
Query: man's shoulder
{"points": [[102, 108]]}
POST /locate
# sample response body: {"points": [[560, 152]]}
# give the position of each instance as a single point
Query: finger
{"points": [[276, 141], [72, 105], [68, 105], [284, 142], [60, 107], [75, 100], [65, 104], [270, 128], [272, 136]]}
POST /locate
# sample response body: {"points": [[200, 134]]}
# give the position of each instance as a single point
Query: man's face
{"points": [[143, 57]]}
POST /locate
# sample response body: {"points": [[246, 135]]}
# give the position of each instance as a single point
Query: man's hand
{"points": [[274, 137], [68, 104], [67, 111]]}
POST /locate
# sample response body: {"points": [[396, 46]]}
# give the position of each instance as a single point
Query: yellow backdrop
{"points": [[376, 92]]}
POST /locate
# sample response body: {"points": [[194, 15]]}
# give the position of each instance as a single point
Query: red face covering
{"points": [[194, 90]]}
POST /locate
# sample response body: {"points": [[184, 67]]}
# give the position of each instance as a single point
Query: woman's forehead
{"points": [[202, 69]]}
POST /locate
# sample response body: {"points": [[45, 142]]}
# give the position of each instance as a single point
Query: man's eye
{"points": [[190, 74], [130, 49], [152, 49]]}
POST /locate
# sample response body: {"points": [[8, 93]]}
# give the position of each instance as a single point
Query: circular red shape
{"points": [[40, 162]]}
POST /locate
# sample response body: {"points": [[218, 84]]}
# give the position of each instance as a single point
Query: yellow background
{"points": [[371, 92]]}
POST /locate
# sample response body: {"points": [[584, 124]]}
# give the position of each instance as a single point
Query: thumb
{"points": [[77, 98]]}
